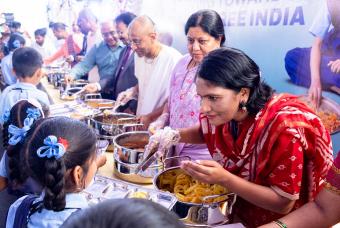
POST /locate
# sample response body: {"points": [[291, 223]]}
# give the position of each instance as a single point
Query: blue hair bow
{"points": [[33, 113], [6, 116], [16, 43], [17, 134], [52, 148]]}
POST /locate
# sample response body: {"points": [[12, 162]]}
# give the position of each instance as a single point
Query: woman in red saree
{"points": [[271, 150], [275, 148]]}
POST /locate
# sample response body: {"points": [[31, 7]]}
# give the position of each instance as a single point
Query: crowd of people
{"points": [[211, 105]]}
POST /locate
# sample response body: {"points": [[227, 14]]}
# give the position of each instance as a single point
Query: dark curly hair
{"points": [[232, 69], [51, 173]]}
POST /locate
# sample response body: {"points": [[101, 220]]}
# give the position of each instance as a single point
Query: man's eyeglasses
{"points": [[111, 33], [136, 42]]}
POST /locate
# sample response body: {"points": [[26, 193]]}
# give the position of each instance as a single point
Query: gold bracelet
{"points": [[280, 224]]}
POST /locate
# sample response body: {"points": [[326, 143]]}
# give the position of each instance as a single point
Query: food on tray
{"points": [[104, 188], [100, 103], [129, 120], [139, 195], [188, 189], [330, 120], [328, 112], [77, 116], [81, 113], [68, 97], [116, 119], [107, 112]]}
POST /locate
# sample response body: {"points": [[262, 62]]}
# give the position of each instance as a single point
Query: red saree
{"points": [[285, 147], [333, 177]]}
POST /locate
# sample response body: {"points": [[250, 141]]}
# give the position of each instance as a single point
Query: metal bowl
{"points": [[54, 78], [77, 83], [114, 124], [110, 147], [57, 77], [130, 146], [80, 83], [51, 72], [200, 214], [101, 146], [128, 153], [70, 94], [73, 90]]}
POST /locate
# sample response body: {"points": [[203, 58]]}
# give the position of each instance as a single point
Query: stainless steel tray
{"points": [[105, 188], [72, 109]]}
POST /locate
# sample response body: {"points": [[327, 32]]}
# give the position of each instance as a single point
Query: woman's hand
{"points": [[213, 173], [159, 123], [162, 140], [206, 171]]}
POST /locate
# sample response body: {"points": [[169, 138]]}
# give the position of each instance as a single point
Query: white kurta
{"points": [[46, 50], [154, 79]]}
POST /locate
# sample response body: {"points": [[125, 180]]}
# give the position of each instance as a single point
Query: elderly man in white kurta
{"points": [[154, 63]]}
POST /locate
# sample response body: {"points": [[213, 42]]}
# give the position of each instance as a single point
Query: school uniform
{"points": [[19, 91], [30, 186], [3, 165], [48, 218], [326, 26], [7, 70]]}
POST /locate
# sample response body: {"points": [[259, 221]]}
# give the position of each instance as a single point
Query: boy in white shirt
{"points": [[27, 65]]}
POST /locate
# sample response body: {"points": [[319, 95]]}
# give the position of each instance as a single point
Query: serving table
{"points": [[107, 170]]}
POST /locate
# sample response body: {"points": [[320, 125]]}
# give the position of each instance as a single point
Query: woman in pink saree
{"points": [[205, 32]]}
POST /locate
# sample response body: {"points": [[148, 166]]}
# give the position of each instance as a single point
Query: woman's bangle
{"points": [[280, 224]]}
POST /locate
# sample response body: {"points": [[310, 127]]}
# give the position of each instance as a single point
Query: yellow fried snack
{"points": [[139, 195], [330, 120], [187, 189], [168, 180]]}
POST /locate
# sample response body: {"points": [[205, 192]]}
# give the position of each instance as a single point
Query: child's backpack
{"points": [[25, 209]]}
